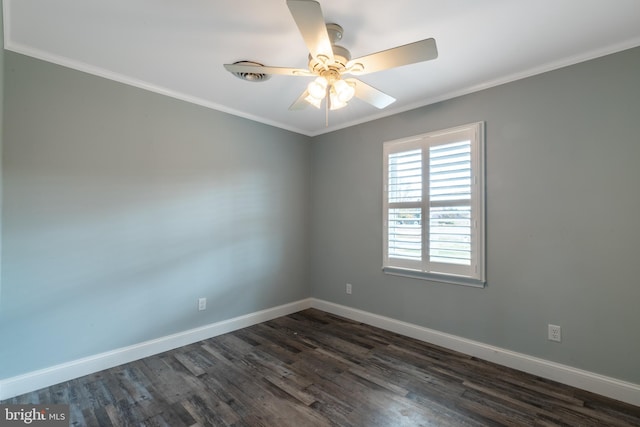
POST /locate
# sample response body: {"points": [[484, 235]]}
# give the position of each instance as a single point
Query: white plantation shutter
{"points": [[405, 212], [434, 205], [449, 203]]}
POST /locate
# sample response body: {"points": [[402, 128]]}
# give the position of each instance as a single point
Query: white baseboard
{"points": [[585, 380], [35, 380], [596, 383]]}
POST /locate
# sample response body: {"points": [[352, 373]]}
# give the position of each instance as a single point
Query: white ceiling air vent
{"points": [[251, 76]]}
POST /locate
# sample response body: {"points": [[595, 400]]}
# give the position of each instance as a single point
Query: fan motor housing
{"points": [[341, 55], [340, 58]]}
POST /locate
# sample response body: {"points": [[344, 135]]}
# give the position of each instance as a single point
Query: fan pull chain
{"points": [[326, 108]]}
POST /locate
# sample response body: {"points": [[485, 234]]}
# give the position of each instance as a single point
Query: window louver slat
{"points": [[405, 233], [450, 234], [450, 171], [405, 177]]}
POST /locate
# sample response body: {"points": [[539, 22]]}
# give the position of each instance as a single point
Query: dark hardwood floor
{"points": [[315, 369]]}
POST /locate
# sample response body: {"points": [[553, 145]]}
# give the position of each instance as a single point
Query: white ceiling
{"points": [[178, 47]]}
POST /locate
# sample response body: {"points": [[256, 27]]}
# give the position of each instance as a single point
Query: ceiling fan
{"points": [[329, 62]]}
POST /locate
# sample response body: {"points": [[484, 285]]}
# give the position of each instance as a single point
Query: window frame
{"points": [[474, 274]]}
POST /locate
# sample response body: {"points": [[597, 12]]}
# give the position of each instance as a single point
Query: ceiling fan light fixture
{"points": [[334, 101], [344, 91], [316, 102], [318, 88]]}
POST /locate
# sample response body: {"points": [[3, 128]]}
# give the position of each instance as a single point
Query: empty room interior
{"points": [[244, 251]]}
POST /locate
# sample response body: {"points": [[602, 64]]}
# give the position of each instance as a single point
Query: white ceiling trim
{"points": [[493, 83], [283, 122], [100, 72], [120, 78]]}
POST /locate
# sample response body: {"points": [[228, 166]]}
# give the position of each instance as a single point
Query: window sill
{"points": [[434, 277]]}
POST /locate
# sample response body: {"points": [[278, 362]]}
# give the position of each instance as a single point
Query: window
{"points": [[434, 206]]}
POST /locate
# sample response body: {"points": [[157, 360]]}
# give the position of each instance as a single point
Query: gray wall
{"points": [[1, 130], [562, 157], [123, 207]]}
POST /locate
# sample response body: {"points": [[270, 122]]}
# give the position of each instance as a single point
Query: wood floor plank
{"points": [[291, 389], [208, 410], [313, 368], [101, 416], [189, 364]]}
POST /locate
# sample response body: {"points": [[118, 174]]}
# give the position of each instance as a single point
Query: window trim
{"points": [[418, 270]]}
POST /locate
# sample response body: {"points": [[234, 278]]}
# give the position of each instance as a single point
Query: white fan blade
{"points": [[310, 22], [411, 53], [300, 103], [259, 69], [371, 95]]}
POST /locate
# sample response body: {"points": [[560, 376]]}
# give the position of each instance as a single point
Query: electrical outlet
{"points": [[348, 290], [202, 304], [555, 333]]}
